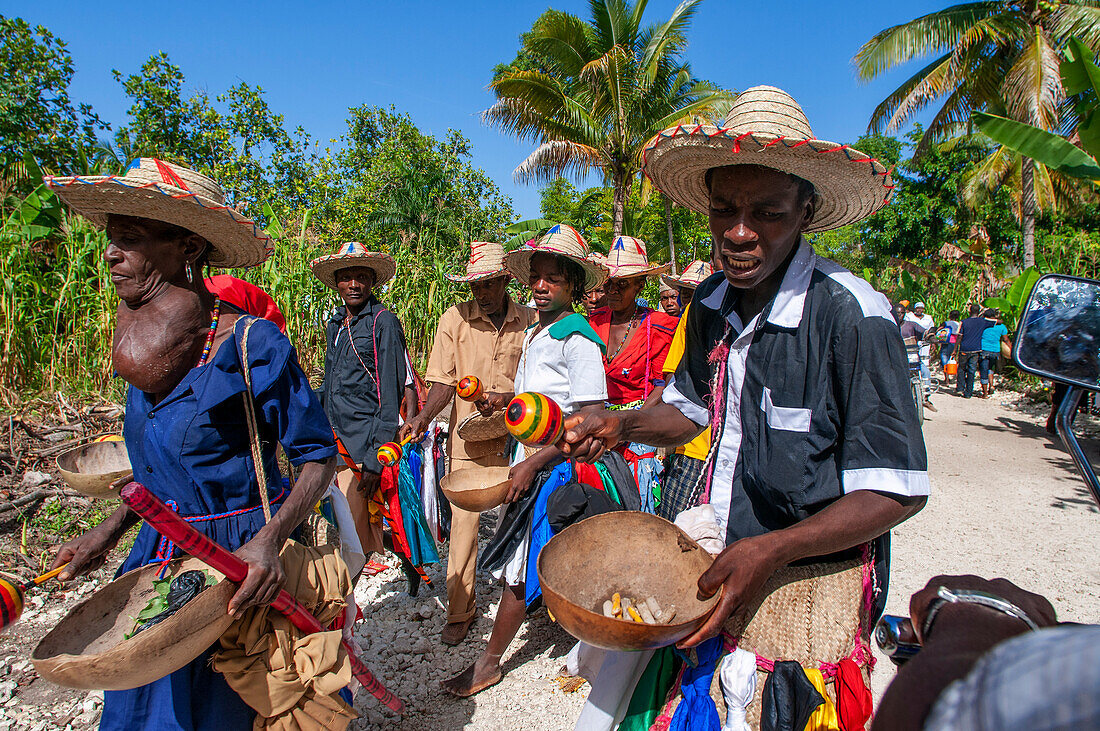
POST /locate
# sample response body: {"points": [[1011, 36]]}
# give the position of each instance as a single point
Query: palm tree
{"points": [[990, 55], [1002, 167], [599, 91]]}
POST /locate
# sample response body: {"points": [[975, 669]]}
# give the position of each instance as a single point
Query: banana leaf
{"points": [[1081, 78], [1052, 150]]}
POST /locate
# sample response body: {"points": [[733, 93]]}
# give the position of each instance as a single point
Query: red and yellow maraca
{"points": [[469, 388], [390, 452], [11, 595], [534, 419]]}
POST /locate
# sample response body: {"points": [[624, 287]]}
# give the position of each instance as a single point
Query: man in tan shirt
{"points": [[482, 337]]}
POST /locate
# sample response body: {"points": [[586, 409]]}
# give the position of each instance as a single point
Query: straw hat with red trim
{"points": [[486, 262], [353, 254], [151, 188], [693, 275], [628, 258], [560, 239], [765, 126]]}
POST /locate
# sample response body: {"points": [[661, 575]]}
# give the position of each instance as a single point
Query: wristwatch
{"points": [[972, 596]]}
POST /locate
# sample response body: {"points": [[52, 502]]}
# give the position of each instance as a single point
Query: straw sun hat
{"points": [[486, 262], [765, 126], [560, 239], [151, 188], [628, 258], [693, 275], [353, 254]]}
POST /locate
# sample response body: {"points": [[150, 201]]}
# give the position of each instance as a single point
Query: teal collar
{"points": [[575, 324]]}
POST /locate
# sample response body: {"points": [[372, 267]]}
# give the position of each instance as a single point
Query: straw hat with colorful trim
{"points": [[628, 258], [353, 254], [693, 275], [151, 188], [765, 126], [560, 239], [486, 262]]}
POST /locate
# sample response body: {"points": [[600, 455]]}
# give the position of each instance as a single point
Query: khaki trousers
{"points": [[370, 534], [462, 549]]}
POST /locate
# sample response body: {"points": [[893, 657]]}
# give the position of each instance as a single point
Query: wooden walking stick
{"points": [[183, 534]]}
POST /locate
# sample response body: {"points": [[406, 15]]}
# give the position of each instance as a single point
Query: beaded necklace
{"points": [[210, 335], [626, 336]]}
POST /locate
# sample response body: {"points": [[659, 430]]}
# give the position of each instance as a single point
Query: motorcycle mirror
{"points": [[1059, 331]]}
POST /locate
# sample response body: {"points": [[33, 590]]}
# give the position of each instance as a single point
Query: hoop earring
{"points": [[187, 273]]}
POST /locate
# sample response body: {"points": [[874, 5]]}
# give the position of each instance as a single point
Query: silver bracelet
{"points": [[946, 596]]}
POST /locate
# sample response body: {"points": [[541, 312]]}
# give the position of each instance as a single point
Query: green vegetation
{"points": [[384, 183], [973, 218], [999, 57], [592, 93]]}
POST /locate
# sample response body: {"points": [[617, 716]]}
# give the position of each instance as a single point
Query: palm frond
{"points": [[1032, 87], [669, 37], [553, 158], [562, 41], [919, 37], [989, 175], [1079, 19], [908, 95]]}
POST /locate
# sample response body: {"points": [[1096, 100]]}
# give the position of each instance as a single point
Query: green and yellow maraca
{"points": [[534, 419]]}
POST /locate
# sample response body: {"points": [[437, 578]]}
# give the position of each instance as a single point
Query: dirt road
{"points": [[1006, 501]]}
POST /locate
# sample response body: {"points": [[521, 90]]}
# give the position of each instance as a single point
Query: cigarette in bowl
{"points": [[616, 605], [647, 616], [654, 607], [608, 609], [668, 614]]}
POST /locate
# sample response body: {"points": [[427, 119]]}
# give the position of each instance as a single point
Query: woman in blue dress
{"points": [[181, 350]]}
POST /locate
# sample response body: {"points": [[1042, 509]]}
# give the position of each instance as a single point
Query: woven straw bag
{"points": [[816, 614]]}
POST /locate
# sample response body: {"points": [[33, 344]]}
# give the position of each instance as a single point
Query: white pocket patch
{"points": [[783, 417]]}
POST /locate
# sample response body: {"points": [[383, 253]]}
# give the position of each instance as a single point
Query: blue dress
{"points": [[193, 451]]}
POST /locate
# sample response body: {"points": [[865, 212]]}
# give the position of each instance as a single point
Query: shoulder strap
{"points": [[250, 417]]}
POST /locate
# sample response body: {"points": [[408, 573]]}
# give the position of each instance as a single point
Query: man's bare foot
{"points": [[483, 674]]}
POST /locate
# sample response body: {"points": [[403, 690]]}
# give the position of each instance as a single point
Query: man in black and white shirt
{"points": [[796, 363]]}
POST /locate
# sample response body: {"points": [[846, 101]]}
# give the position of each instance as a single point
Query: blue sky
{"points": [[433, 60]]}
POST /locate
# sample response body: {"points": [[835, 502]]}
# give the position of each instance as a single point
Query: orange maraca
{"points": [[469, 388], [11, 595], [390, 452], [534, 419]]}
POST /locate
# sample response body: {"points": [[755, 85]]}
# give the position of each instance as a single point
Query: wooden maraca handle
{"points": [[534, 419], [390, 452], [38, 580], [469, 388]]}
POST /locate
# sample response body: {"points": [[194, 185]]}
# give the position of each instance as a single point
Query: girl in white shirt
{"points": [[562, 359]]}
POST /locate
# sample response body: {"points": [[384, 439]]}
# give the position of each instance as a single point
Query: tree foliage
{"points": [[996, 56], [591, 93], [925, 211], [588, 211], [234, 138], [37, 116]]}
